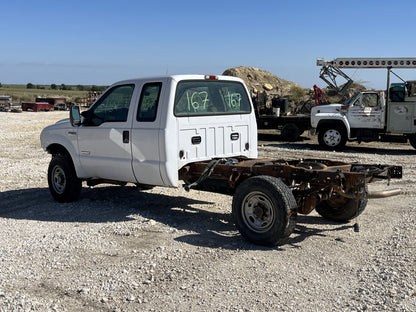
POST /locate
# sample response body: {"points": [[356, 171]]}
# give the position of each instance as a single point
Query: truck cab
{"points": [[366, 110]]}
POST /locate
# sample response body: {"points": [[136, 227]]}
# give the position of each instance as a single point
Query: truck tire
{"points": [[261, 210], [63, 182], [412, 140], [341, 209], [332, 137], [144, 187], [290, 132]]}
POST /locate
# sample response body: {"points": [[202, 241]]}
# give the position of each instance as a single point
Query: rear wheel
{"points": [[262, 210], [290, 132], [332, 137], [144, 187], [341, 209], [63, 182], [412, 140]]}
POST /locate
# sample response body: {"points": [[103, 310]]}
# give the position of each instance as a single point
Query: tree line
{"points": [[63, 86]]}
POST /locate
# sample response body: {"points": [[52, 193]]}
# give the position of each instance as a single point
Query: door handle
{"points": [[126, 136]]}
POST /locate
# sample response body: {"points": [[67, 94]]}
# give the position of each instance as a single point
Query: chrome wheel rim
{"points": [[332, 137], [58, 180]]}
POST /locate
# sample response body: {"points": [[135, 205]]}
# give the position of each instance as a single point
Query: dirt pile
{"points": [[265, 86], [258, 80], [334, 97]]}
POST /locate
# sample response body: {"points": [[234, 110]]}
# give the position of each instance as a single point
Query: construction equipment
{"points": [[319, 96], [278, 117], [331, 70], [370, 115]]}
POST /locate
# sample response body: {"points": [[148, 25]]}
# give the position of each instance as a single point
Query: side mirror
{"points": [[75, 116]]}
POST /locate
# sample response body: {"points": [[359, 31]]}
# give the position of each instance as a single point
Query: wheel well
{"points": [[329, 123], [55, 149]]}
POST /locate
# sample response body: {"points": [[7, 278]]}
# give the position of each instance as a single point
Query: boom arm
{"points": [[329, 74], [368, 62], [331, 69]]}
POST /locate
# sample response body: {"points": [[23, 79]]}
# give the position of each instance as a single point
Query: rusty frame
{"points": [[311, 180]]}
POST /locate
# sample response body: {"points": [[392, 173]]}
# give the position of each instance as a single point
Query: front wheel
{"points": [[63, 182], [332, 137], [262, 210]]}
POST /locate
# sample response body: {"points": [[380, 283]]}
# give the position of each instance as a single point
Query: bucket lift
{"points": [[331, 70]]}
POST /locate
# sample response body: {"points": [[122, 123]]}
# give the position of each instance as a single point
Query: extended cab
{"points": [[202, 130], [144, 130]]}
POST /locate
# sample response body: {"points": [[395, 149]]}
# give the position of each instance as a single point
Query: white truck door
{"points": [[367, 111], [145, 134], [104, 138]]}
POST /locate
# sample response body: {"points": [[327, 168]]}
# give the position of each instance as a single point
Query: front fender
{"points": [[339, 120], [329, 115], [64, 140]]}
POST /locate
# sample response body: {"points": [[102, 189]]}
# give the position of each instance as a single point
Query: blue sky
{"points": [[100, 42]]}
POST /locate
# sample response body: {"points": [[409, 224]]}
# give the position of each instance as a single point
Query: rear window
{"points": [[212, 97]]}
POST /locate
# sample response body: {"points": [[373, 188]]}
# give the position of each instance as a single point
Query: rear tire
{"points": [[262, 210], [341, 209], [144, 187], [63, 182], [290, 132], [412, 140], [332, 137]]}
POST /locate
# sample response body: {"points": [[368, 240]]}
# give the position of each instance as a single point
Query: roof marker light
{"points": [[211, 77]]}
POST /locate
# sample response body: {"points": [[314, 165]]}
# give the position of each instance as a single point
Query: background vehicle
{"points": [[370, 115], [278, 117]]}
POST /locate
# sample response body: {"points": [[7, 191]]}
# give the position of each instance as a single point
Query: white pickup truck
{"points": [[200, 129]]}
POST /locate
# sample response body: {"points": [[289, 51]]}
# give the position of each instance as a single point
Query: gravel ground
{"points": [[118, 249]]}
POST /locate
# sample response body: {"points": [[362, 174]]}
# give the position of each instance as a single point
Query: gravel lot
{"points": [[118, 249]]}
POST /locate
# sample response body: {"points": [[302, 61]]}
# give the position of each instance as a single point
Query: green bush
{"points": [[296, 93]]}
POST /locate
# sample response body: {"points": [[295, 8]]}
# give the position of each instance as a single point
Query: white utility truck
{"points": [[201, 130], [369, 115]]}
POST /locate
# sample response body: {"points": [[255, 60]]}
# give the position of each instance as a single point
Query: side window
{"points": [[114, 105], [370, 100], [357, 102], [149, 100]]}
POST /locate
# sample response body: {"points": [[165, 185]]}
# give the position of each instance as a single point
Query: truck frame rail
{"points": [[311, 181]]}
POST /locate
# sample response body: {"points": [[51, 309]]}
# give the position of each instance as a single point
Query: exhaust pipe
{"points": [[372, 194], [383, 194]]}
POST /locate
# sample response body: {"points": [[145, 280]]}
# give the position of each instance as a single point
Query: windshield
{"points": [[352, 99], [211, 97]]}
